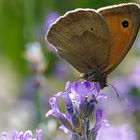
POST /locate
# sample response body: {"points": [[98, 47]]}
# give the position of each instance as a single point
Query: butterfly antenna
{"points": [[118, 93], [114, 88]]}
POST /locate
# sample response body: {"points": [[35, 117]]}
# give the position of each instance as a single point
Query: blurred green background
{"points": [[27, 83]]}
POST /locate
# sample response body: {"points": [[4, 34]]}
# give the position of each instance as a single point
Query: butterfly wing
{"points": [[123, 22], [81, 37]]}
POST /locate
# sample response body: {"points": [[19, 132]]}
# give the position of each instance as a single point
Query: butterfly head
{"points": [[96, 75]]}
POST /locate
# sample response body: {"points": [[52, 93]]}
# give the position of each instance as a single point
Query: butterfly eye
{"points": [[91, 29], [125, 23]]}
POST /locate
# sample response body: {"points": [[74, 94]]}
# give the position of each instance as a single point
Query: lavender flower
{"points": [[123, 132], [61, 70], [80, 100], [50, 18], [27, 135], [129, 88]]}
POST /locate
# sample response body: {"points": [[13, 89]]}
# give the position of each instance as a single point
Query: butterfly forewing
{"points": [[123, 22], [82, 38]]}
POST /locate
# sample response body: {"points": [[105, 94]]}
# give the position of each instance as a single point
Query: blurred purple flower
{"points": [[49, 19], [123, 132], [121, 84], [80, 100], [30, 87], [61, 70], [124, 87], [128, 88], [125, 103], [27, 135]]}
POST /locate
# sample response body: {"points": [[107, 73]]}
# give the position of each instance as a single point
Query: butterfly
{"points": [[94, 42]]}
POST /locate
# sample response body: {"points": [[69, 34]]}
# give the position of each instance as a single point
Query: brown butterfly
{"points": [[95, 41]]}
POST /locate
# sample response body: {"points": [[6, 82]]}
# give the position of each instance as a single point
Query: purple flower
{"points": [[27, 135], [121, 84], [128, 89], [50, 18], [123, 132], [80, 100], [61, 70]]}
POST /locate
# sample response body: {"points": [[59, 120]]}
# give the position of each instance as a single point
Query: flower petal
{"points": [[5, 136], [39, 134], [28, 135]]}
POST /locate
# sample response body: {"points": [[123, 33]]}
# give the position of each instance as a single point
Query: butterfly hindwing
{"points": [[123, 23]]}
